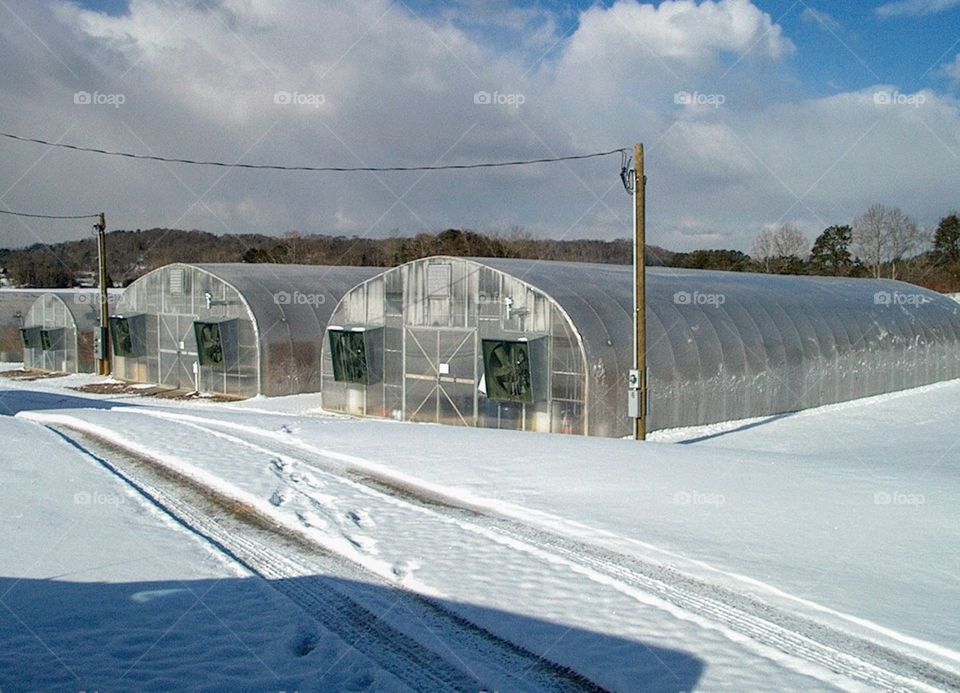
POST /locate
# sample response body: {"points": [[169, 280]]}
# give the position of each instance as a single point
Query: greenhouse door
{"points": [[440, 375], [177, 351]]}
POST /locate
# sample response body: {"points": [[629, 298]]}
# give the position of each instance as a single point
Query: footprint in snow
{"points": [[278, 498], [310, 519], [363, 543], [402, 569], [361, 518]]}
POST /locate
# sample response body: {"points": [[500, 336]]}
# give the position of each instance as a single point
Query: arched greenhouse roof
{"points": [[786, 341], [298, 298]]}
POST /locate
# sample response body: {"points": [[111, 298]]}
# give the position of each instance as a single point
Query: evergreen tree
{"points": [[946, 242], [831, 251]]}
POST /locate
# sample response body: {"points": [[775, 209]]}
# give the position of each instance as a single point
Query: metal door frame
{"points": [[434, 359], [177, 364]]}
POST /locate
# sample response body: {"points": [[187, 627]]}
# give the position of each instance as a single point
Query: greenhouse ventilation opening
{"points": [[233, 329], [547, 346]]}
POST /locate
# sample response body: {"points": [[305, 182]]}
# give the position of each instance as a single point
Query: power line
{"points": [[325, 169], [49, 216]]}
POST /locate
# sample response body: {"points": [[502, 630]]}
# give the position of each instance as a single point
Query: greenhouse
{"points": [[59, 332], [15, 304], [232, 329], [547, 346]]}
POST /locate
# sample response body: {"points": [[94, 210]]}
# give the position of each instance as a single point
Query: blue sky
{"points": [[862, 49], [755, 113]]}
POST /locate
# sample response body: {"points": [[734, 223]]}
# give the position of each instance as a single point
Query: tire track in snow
{"points": [[838, 651], [251, 538]]}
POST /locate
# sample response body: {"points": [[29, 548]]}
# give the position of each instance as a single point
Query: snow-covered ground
{"points": [[753, 555], [99, 590]]}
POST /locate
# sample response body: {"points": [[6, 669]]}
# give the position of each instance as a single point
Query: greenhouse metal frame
{"points": [[60, 332], [721, 345], [238, 330]]}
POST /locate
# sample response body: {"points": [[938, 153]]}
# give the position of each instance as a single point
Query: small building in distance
{"points": [[60, 331], [238, 330], [15, 304], [547, 346]]}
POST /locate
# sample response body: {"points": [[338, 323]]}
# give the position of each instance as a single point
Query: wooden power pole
{"points": [[638, 378], [104, 353]]}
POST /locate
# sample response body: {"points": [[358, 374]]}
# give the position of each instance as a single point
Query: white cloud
{"points": [[678, 29], [373, 83], [915, 8], [953, 71]]}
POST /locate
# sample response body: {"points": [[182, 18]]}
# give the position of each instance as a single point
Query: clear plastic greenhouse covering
{"points": [[15, 304], [539, 345], [60, 331], [233, 329]]}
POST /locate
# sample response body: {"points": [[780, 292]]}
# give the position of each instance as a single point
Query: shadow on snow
{"points": [[12, 402], [237, 633]]}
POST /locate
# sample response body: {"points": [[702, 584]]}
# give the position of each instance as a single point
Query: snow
{"points": [[847, 515], [99, 590]]}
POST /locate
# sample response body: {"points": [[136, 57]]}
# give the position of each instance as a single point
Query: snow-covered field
{"points": [[812, 551]]}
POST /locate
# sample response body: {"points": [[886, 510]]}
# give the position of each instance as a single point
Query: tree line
{"points": [[883, 242], [131, 254]]}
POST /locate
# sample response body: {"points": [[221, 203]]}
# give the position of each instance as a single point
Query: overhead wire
{"points": [[48, 216], [323, 169]]}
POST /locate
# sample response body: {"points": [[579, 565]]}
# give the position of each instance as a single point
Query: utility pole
{"points": [[104, 353], [637, 386]]}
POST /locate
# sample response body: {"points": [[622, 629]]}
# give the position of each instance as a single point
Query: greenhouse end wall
{"points": [[70, 323], [429, 321], [261, 326], [721, 346], [160, 309]]}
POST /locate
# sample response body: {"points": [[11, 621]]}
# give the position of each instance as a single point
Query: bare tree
{"points": [[885, 235], [871, 239], [763, 248], [783, 243], [906, 237], [789, 241]]}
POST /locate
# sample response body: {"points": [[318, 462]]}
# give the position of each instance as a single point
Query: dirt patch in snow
{"points": [[29, 374], [158, 391]]}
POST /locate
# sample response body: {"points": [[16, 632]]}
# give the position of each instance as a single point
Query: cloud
{"points": [[916, 8], [376, 84], [953, 71], [679, 30], [820, 18]]}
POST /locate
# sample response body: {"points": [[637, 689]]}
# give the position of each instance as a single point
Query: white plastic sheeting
{"points": [[721, 345], [270, 320], [68, 324]]}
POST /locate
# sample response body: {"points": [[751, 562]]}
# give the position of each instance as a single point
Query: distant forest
{"points": [[130, 254], [883, 242]]}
